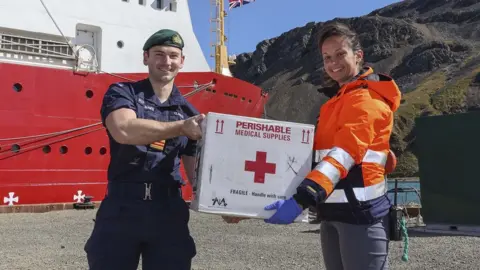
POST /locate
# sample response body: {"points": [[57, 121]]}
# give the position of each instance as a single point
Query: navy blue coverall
{"points": [[143, 211]]}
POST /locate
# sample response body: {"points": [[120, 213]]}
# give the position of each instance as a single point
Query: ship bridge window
{"points": [[170, 5], [173, 6]]}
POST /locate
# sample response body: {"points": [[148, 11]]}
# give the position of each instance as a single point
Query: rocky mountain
{"points": [[430, 47]]}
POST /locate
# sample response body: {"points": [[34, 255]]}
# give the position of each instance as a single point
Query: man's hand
{"points": [[228, 219], [191, 127], [287, 211]]}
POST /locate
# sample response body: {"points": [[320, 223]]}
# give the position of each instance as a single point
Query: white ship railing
{"points": [[35, 47]]}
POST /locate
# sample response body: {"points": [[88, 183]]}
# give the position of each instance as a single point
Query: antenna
{"points": [[219, 50]]}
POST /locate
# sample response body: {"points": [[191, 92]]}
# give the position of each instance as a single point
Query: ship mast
{"points": [[219, 53]]}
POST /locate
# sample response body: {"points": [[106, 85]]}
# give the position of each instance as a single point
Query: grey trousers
{"points": [[355, 247]]}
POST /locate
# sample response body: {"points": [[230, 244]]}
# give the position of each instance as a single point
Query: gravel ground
{"points": [[55, 240]]}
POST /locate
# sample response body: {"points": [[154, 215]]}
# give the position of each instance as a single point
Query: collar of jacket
{"points": [[332, 90], [382, 84], [356, 82]]}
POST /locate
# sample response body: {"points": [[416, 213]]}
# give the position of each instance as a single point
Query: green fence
{"points": [[448, 151]]}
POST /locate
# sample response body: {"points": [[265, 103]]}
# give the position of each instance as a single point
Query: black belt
{"points": [[143, 191]]}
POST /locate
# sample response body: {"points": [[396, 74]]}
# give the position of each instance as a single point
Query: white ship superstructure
{"points": [[107, 35]]}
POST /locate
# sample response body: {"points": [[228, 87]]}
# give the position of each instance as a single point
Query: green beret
{"points": [[165, 37]]}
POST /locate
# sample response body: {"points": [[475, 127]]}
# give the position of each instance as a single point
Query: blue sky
{"points": [[248, 25]]}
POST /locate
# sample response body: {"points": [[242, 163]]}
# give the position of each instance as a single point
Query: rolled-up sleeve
{"points": [[117, 96]]}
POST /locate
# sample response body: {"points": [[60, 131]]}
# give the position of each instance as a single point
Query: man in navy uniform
{"points": [[151, 126]]}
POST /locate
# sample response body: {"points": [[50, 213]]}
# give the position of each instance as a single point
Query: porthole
{"points": [[63, 149], [103, 151], [120, 44], [15, 148], [89, 93], [88, 150], [17, 87], [47, 149]]}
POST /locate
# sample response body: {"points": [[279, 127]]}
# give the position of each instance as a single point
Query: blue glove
{"points": [[287, 211]]}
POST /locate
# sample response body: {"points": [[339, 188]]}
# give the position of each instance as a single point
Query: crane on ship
{"points": [[219, 49]]}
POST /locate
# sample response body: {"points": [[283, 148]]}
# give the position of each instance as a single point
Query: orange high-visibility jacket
{"points": [[352, 139]]}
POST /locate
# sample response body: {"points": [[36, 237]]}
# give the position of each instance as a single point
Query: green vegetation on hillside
{"points": [[418, 100], [451, 99]]}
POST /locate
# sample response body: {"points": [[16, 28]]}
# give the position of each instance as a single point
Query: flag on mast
{"points": [[238, 3]]}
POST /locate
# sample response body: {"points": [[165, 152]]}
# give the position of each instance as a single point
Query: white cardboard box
{"points": [[233, 147]]}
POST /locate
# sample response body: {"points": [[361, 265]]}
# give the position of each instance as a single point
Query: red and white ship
{"points": [[57, 58]]}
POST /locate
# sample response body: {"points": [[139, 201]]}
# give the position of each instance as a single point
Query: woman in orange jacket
{"points": [[347, 184]]}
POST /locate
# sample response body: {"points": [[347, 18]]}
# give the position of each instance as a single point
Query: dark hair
{"points": [[339, 29]]}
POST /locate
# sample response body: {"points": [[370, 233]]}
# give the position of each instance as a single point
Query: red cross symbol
{"points": [[260, 167]]}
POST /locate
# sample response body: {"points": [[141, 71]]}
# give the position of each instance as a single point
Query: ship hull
{"points": [[53, 148]]}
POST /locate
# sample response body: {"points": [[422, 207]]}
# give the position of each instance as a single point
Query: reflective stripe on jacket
{"points": [[372, 187]]}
